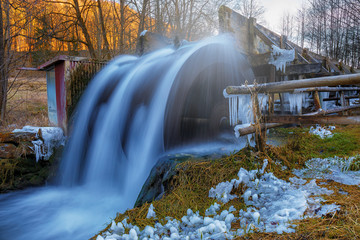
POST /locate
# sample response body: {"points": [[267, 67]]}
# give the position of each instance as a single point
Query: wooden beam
{"points": [[307, 119], [303, 69], [264, 37], [337, 98], [251, 129], [351, 79], [327, 89]]}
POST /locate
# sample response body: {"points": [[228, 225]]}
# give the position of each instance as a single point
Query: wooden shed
{"points": [[57, 74], [66, 79]]}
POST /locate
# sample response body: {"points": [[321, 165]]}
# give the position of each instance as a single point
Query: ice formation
{"points": [[322, 132], [280, 57], [151, 212], [296, 102], [272, 204], [51, 137], [336, 169], [241, 108]]}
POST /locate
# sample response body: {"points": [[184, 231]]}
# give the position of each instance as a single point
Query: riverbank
{"points": [[189, 189]]}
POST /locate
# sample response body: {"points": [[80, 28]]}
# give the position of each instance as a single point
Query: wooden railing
{"points": [[267, 119]]}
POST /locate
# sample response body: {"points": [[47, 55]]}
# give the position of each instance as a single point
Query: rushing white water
{"points": [[127, 116]]}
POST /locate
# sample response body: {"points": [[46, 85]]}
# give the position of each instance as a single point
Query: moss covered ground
{"points": [[190, 187]]}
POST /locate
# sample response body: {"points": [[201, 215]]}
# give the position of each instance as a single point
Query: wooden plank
{"points": [[351, 79], [305, 119], [338, 98], [327, 89], [303, 69], [264, 37]]}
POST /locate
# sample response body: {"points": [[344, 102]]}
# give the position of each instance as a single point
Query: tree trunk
{"points": [[122, 25], [143, 17], [3, 74], [103, 31], [84, 30]]}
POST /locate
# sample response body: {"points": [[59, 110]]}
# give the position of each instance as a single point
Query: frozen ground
{"points": [[272, 205]]}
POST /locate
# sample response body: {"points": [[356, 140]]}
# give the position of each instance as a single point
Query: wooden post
{"points": [[343, 101], [283, 40], [251, 36], [272, 95], [317, 102], [260, 134]]}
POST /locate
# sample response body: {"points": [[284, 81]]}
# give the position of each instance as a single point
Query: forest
{"points": [[34, 31]]}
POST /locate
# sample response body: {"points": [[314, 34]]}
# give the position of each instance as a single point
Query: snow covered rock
{"points": [[45, 141]]}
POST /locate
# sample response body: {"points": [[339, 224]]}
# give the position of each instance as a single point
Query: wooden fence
{"points": [[81, 73]]}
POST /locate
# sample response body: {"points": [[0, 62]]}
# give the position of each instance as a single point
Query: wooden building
{"points": [[66, 78], [259, 43]]}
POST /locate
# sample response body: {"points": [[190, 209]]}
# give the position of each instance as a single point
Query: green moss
{"points": [[300, 145]]}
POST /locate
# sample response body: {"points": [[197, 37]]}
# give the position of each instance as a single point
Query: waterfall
{"points": [[133, 111]]}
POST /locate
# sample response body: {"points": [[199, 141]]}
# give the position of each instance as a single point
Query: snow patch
{"points": [[322, 132], [272, 204], [336, 169]]}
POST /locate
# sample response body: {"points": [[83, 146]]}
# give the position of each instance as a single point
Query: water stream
{"points": [[135, 109]]}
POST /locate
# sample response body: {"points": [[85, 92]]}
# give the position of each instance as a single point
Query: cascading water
{"points": [[132, 112]]}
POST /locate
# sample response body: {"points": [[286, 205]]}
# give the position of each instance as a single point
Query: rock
{"points": [[160, 177]]}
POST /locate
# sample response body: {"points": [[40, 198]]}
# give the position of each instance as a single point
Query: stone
{"points": [[158, 182]]}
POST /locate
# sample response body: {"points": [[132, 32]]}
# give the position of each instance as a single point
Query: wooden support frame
{"points": [[308, 119], [289, 86]]}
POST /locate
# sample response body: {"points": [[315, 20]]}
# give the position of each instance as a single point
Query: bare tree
{"points": [[3, 73], [287, 25], [251, 8]]}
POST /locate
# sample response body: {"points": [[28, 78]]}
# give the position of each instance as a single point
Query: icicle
{"points": [[295, 101], [279, 57], [240, 109]]}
